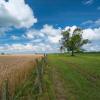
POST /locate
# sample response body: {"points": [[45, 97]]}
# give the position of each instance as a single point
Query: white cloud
{"points": [[92, 47], [54, 39], [92, 23], [20, 47], [54, 34], [48, 41], [29, 47], [72, 28], [91, 34], [88, 2], [33, 33], [88, 33], [48, 33], [50, 30], [43, 40], [15, 13], [16, 47], [14, 37], [87, 22]]}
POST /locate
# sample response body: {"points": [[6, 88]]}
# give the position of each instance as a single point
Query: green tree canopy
{"points": [[73, 41]]}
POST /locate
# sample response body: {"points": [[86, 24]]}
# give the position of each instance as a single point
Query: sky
{"points": [[35, 26]]}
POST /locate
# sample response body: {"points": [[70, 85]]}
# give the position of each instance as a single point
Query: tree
{"points": [[73, 41], [61, 49]]}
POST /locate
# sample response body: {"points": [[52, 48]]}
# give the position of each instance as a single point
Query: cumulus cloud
{"points": [[72, 28], [33, 33], [88, 33], [16, 47], [54, 34], [44, 40], [54, 39], [47, 34], [50, 30], [47, 39], [91, 34], [16, 13], [29, 47]]}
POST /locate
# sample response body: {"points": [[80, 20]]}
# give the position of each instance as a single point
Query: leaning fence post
{"points": [[5, 93], [39, 76]]}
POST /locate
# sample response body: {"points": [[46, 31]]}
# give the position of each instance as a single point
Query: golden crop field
{"points": [[15, 69]]}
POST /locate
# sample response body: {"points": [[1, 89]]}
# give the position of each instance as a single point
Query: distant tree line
{"points": [[2, 53]]}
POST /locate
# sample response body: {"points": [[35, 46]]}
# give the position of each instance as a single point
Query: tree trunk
{"points": [[72, 53]]}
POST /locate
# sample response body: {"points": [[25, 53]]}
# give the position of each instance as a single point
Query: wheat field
{"points": [[15, 69]]}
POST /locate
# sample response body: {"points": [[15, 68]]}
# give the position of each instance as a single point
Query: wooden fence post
{"points": [[5, 93]]}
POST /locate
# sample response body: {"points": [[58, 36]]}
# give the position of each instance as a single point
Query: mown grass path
{"points": [[58, 84]]}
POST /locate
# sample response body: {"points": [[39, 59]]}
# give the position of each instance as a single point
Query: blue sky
{"points": [[30, 26], [64, 12]]}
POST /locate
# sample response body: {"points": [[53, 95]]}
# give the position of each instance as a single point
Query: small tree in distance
{"points": [[73, 41]]}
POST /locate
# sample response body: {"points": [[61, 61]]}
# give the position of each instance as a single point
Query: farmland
{"points": [[15, 69], [65, 77]]}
